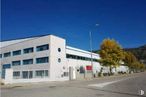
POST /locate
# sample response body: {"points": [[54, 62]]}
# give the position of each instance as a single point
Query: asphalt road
{"points": [[115, 86]]}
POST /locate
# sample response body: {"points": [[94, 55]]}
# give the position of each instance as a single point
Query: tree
{"points": [[142, 67], [111, 53], [131, 61]]}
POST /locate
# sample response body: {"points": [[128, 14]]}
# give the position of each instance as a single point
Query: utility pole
{"points": [[90, 35]]}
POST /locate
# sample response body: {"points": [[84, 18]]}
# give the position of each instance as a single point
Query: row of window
{"points": [[70, 56], [26, 51], [30, 74], [30, 61]]}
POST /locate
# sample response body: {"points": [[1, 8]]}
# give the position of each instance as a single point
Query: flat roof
{"points": [[80, 50], [14, 41]]}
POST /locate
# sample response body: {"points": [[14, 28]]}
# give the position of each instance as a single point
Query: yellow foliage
{"points": [[111, 52]]}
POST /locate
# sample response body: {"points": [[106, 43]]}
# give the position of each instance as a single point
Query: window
{"points": [[65, 74], [16, 63], [5, 66], [82, 69], [8, 54], [95, 60], [46, 72], [18, 52], [41, 73], [0, 55], [42, 60], [69, 56], [16, 74], [59, 49], [27, 61], [42, 47], [30, 74], [25, 74], [59, 60], [28, 50]]}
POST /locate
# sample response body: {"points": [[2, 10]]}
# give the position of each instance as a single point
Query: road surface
{"points": [[133, 85]]}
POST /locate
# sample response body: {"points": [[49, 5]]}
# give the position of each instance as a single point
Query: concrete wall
{"points": [[75, 51], [26, 44], [33, 42], [57, 68], [9, 76], [77, 63]]}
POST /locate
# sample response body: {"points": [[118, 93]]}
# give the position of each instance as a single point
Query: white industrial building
{"points": [[44, 58]]}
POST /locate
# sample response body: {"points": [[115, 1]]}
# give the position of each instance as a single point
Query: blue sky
{"points": [[122, 20]]}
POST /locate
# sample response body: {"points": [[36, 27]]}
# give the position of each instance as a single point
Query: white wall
{"points": [[9, 76], [76, 51], [57, 68], [26, 43], [77, 63]]}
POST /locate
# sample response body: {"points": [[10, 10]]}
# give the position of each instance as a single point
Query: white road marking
{"points": [[101, 85]]}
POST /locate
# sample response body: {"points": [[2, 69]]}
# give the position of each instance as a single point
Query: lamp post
{"points": [[90, 37]]}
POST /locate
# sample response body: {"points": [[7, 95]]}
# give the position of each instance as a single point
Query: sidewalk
{"points": [[54, 83], [16, 85]]}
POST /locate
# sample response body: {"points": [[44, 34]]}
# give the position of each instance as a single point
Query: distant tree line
{"points": [[112, 55], [139, 52]]}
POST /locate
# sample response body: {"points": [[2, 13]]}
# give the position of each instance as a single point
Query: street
{"points": [[114, 86]]}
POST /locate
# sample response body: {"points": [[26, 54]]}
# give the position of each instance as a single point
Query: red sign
{"points": [[88, 67]]}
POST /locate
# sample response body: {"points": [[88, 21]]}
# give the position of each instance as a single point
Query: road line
{"points": [[101, 85]]}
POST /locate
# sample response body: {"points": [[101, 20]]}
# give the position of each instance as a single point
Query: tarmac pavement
{"points": [[133, 85]]}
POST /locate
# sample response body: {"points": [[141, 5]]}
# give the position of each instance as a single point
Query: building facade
{"points": [[44, 58]]}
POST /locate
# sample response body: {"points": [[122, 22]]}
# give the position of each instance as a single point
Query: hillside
{"points": [[139, 52]]}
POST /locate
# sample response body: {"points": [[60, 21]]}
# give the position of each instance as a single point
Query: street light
{"points": [[90, 35]]}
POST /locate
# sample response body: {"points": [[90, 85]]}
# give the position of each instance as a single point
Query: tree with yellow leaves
{"points": [[111, 53], [131, 61]]}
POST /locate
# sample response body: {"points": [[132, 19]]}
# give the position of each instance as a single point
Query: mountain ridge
{"points": [[139, 52]]}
